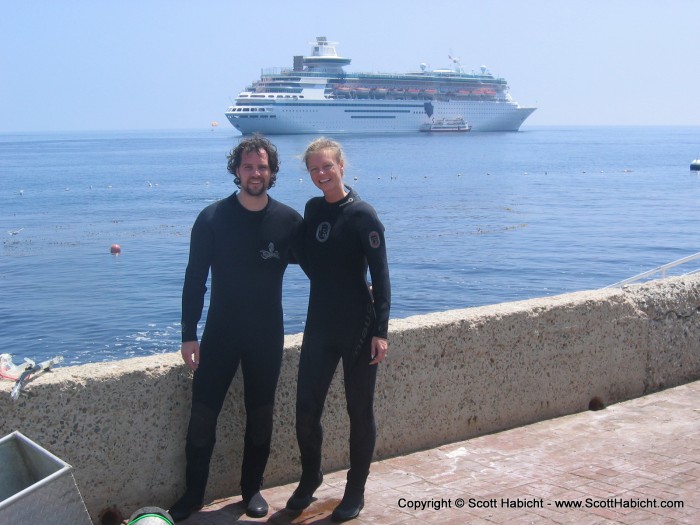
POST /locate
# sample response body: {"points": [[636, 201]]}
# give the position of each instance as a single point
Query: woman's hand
{"points": [[380, 349]]}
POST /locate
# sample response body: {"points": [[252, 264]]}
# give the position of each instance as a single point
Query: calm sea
{"points": [[471, 219]]}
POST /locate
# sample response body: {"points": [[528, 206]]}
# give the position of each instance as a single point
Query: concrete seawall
{"points": [[449, 376]]}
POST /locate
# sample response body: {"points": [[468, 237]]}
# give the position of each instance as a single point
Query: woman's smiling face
{"points": [[326, 172]]}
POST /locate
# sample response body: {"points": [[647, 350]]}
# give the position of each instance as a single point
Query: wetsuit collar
{"points": [[236, 201], [350, 197]]}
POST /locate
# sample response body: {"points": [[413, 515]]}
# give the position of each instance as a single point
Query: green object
{"points": [[150, 516]]}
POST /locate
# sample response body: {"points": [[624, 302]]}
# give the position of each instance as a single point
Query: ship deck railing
{"points": [[660, 272], [470, 77]]}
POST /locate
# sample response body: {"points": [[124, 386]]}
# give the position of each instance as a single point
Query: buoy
{"points": [[695, 165], [115, 249]]}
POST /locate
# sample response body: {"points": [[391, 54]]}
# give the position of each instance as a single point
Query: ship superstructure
{"points": [[318, 96]]}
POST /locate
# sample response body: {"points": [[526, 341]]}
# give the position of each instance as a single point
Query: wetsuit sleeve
{"points": [[195, 286], [297, 244], [301, 254], [374, 245]]}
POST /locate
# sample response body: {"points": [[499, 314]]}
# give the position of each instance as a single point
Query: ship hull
{"points": [[376, 116]]}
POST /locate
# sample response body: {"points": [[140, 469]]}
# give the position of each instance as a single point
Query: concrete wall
{"points": [[449, 376]]}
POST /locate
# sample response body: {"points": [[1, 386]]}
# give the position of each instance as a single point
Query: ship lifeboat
{"points": [[413, 93], [380, 92], [463, 93], [429, 93], [343, 92], [361, 92]]}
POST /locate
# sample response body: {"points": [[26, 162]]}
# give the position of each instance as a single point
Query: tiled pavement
{"points": [[623, 464]]}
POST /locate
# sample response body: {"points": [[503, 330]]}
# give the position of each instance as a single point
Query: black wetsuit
{"points": [[340, 241], [247, 253]]}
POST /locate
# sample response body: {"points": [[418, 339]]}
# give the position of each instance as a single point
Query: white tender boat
{"points": [[447, 124]]}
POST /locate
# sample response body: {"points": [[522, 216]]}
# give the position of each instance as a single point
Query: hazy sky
{"points": [[157, 64]]}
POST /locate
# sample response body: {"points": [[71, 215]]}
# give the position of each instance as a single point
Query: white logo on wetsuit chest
{"points": [[323, 231], [270, 252]]}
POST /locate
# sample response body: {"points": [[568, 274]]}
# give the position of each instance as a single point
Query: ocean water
{"points": [[471, 219]]}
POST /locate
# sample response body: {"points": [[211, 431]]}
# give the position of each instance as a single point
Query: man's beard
{"points": [[254, 192]]}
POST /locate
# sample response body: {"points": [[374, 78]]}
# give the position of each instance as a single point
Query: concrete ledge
{"points": [[450, 376]]}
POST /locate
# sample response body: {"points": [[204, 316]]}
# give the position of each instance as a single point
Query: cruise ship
{"points": [[317, 96]]}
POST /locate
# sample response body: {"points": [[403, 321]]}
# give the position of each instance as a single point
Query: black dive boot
{"points": [[255, 504], [196, 476], [354, 497], [350, 506], [304, 493], [191, 501]]}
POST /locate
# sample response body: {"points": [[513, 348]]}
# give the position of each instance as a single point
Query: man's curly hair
{"points": [[254, 143]]}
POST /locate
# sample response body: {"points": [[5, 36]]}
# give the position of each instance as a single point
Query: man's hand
{"points": [[190, 354]]}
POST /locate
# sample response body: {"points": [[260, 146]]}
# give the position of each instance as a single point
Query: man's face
{"points": [[254, 172]]}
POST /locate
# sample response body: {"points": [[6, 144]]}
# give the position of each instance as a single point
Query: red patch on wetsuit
{"points": [[374, 240]]}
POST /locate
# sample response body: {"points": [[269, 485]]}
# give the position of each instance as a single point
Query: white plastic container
{"points": [[36, 487]]}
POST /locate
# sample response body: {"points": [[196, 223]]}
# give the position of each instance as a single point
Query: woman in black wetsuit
{"points": [[346, 320]]}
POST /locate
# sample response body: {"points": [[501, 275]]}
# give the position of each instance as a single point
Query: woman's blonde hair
{"points": [[324, 143]]}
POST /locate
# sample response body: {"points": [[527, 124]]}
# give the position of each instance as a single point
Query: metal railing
{"points": [[662, 270]]}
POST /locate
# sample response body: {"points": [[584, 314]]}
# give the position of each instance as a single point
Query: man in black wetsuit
{"points": [[246, 240]]}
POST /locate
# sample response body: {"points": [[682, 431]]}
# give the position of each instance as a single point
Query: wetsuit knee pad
{"points": [[307, 422], [259, 424], [202, 427]]}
